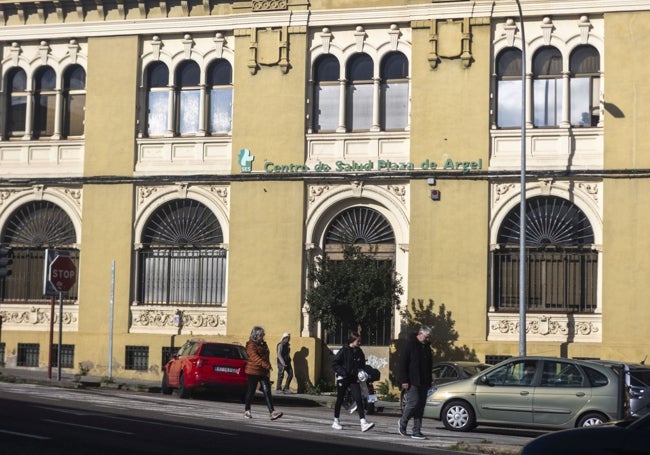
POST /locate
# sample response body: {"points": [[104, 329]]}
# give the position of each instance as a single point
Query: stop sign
{"points": [[63, 273]]}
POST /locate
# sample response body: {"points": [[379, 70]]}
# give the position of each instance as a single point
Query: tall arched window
{"points": [[74, 98], [561, 264], [547, 87], [188, 76], [360, 93], [584, 66], [44, 102], [509, 88], [326, 93], [219, 80], [394, 91], [16, 102], [29, 230], [182, 260], [157, 98], [368, 229]]}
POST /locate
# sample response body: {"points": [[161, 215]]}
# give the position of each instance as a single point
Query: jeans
{"points": [[281, 371], [416, 398], [265, 385]]}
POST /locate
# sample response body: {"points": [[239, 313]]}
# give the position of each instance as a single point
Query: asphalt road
{"points": [[45, 420]]}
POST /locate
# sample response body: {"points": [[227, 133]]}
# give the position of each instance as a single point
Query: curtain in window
{"points": [[326, 93], [157, 98]]}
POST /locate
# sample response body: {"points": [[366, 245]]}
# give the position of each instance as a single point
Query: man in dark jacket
{"points": [[415, 376]]}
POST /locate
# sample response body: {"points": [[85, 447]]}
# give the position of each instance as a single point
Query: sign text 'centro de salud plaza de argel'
{"points": [[245, 159]]}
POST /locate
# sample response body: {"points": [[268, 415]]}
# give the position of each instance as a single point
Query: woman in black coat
{"points": [[347, 363]]}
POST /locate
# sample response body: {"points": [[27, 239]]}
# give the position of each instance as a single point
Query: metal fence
{"points": [[557, 280]]}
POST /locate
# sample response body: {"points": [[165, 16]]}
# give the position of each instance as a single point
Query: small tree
{"points": [[352, 290]]}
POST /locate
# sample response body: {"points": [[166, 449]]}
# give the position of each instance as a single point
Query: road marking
{"points": [[32, 436], [86, 426]]}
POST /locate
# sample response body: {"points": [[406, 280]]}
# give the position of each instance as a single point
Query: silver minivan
{"points": [[637, 380], [533, 392]]}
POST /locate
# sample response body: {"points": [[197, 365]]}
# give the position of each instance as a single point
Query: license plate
{"points": [[226, 370]]}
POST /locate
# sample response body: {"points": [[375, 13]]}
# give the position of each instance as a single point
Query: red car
{"points": [[201, 364]]}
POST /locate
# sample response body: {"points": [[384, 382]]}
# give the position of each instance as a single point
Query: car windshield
{"points": [[471, 370]]}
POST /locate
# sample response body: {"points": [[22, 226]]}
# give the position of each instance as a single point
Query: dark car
{"points": [[201, 364], [630, 437], [637, 380], [449, 371]]}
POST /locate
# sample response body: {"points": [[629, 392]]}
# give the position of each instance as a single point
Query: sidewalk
{"points": [[69, 380]]}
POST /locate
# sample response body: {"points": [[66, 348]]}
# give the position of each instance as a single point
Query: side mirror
{"points": [[484, 380]]}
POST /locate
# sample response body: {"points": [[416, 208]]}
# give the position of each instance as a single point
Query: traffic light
{"points": [[5, 261]]}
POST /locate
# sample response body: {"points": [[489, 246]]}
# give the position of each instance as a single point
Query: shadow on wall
{"points": [[301, 369], [443, 336]]}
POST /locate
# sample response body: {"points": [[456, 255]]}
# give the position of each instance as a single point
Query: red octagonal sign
{"points": [[63, 273]]}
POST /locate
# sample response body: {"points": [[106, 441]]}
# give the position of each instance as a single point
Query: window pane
{"points": [[509, 63], [158, 75], [221, 110], [46, 79], [580, 101], [157, 118], [395, 66], [395, 105], [16, 115], [188, 74], [326, 107], [509, 104], [44, 118], [220, 73], [327, 69], [189, 111], [360, 68], [75, 115], [547, 96], [18, 81], [359, 107], [75, 78]]}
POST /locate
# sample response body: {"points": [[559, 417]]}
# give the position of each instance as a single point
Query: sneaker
{"points": [[353, 408], [418, 436], [247, 415], [337, 426], [367, 426], [276, 415], [401, 429]]}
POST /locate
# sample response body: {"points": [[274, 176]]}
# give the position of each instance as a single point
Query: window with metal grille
{"points": [[492, 359], [2, 354], [136, 358], [167, 354], [182, 261], [28, 354], [67, 355], [29, 230], [561, 263], [370, 230]]}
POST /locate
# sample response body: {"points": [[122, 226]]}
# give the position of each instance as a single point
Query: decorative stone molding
{"points": [[269, 5], [36, 317], [163, 319], [222, 192], [557, 327], [269, 47], [450, 39], [315, 191]]}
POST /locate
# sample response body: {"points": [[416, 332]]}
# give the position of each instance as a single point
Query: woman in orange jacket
{"points": [[258, 369]]}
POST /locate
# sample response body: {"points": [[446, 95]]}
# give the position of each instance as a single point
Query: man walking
{"points": [[284, 362], [415, 376]]}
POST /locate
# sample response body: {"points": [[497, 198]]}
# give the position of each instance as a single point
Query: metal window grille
{"points": [[28, 354], [167, 354], [378, 334], [136, 358], [2, 354], [67, 355], [494, 359]]}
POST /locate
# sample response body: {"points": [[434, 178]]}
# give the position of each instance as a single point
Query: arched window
{"points": [[359, 93], [157, 98], [219, 80], [29, 230], [16, 102], [74, 98], [44, 102], [370, 230], [188, 77], [182, 260], [584, 66], [394, 91], [326, 93], [509, 88], [547, 87], [561, 264]]}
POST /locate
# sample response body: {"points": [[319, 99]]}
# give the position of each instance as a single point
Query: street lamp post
{"points": [[522, 202]]}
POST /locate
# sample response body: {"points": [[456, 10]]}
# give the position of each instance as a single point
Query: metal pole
{"points": [[58, 354], [522, 202], [49, 357], [110, 322]]}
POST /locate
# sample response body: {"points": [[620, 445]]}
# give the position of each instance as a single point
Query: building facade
{"points": [[193, 158]]}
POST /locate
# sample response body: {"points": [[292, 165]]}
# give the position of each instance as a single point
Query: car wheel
{"points": [[164, 387], [592, 418], [183, 391], [402, 401], [458, 416]]}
